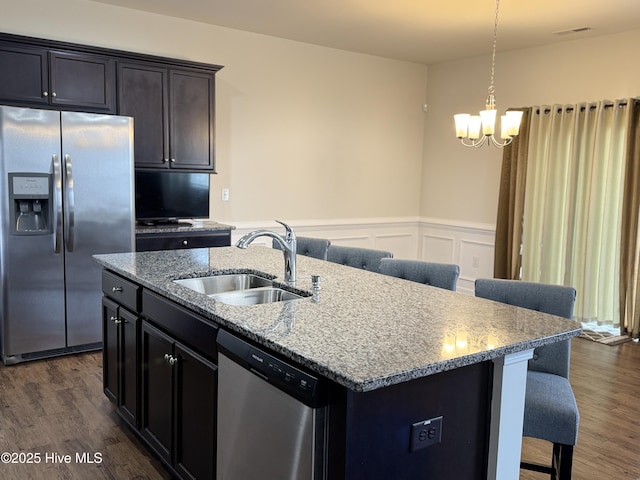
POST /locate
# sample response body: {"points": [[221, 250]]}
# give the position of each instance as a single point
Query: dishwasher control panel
{"points": [[296, 382], [281, 372]]}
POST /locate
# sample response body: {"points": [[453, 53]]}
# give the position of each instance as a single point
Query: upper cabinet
{"points": [[66, 80], [171, 101], [173, 112]]}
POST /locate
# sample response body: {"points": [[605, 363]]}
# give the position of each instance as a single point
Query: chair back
{"points": [[441, 275], [310, 247], [363, 258], [553, 299]]}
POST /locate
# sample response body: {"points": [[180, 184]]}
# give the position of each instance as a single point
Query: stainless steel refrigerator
{"points": [[66, 193]]}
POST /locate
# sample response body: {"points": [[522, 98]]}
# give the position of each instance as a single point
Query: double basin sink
{"points": [[239, 289]]}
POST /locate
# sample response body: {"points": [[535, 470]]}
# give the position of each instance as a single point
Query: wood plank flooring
{"points": [[56, 407]]}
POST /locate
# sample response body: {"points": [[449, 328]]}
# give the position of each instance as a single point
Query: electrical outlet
{"points": [[426, 433]]}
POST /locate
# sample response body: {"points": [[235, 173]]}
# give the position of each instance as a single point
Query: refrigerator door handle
{"points": [[70, 205], [57, 191]]}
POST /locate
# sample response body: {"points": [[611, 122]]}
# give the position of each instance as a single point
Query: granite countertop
{"points": [[364, 330], [190, 226]]}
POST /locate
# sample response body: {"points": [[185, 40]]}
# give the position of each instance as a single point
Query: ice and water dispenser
{"points": [[31, 203]]}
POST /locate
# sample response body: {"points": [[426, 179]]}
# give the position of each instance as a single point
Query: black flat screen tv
{"points": [[167, 197]]}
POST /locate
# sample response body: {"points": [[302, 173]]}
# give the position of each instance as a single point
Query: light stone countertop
{"points": [[364, 331]]}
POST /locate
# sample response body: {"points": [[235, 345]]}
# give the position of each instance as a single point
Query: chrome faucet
{"points": [[288, 245]]}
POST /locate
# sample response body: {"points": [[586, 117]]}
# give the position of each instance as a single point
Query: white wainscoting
{"points": [[471, 246], [466, 244]]}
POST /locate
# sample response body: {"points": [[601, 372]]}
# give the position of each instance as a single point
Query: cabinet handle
{"points": [[53, 94], [170, 359], [116, 289], [172, 160], [116, 320], [45, 94], [165, 160], [185, 242]]}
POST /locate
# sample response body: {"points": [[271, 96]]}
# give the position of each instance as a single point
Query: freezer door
{"points": [[31, 272], [97, 159]]}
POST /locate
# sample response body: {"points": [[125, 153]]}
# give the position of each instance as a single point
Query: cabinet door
{"points": [[110, 379], [195, 422], [142, 94], [129, 399], [191, 119], [82, 80], [157, 388], [23, 75]]}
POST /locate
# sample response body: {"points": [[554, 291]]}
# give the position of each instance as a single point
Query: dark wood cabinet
{"points": [[82, 80], [159, 369], [179, 404], [142, 94], [191, 120], [121, 351], [157, 390], [173, 112], [24, 75], [110, 350], [171, 100], [177, 240], [49, 78]]}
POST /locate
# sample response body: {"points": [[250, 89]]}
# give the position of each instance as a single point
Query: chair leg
{"points": [[562, 461]]}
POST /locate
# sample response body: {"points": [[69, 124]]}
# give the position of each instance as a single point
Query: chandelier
{"points": [[479, 130]]}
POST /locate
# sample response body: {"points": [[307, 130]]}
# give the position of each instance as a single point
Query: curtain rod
{"points": [[547, 111]]}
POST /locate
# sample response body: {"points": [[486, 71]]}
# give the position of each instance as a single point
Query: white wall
{"points": [[461, 184], [303, 132]]}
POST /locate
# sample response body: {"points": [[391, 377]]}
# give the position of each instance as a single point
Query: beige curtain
{"points": [[573, 203], [630, 243], [511, 203]]}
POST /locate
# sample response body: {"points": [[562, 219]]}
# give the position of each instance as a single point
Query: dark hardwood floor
{"points": [[52, 408], [56, 407]]}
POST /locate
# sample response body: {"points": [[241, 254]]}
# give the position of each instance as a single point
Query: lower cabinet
{"points": [[164, 389], [178, 404], [120, 360]]}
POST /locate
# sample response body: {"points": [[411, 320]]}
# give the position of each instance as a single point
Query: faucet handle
{"points": [[289, 230]]}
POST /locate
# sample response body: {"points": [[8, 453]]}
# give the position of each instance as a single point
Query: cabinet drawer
{"points": [[121, 290], [146, 242], [185, 326]]}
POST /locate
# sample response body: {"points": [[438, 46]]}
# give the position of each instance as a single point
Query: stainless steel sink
{"points": [[239, 289], [256, 296], [224, 283]]}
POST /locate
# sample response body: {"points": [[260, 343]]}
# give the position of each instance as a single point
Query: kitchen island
{"points": [[394, 353]]}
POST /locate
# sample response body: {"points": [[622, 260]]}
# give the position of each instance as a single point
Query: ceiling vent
{"points": [[572, 30]]}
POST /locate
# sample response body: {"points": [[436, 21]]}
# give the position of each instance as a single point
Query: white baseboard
{"points": [[469, 245]]}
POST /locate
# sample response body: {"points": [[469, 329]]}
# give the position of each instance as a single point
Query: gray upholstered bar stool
{"points": [[550, 410], [442, 275], [364, 258], [310, 247]]}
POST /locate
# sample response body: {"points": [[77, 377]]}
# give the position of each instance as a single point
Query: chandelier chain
{"points": [[493, 56], [478, 130]]}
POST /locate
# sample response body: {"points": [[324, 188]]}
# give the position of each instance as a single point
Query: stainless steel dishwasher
{"points": [[271, 416]]}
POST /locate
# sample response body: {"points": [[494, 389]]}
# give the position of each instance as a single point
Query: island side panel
{"points": [[378, 428]]}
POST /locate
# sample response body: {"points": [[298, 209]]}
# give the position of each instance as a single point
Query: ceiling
{"points": [[427, 31]]}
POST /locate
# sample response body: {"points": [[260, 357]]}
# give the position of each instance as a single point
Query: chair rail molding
{"points": [[467, 244]]}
